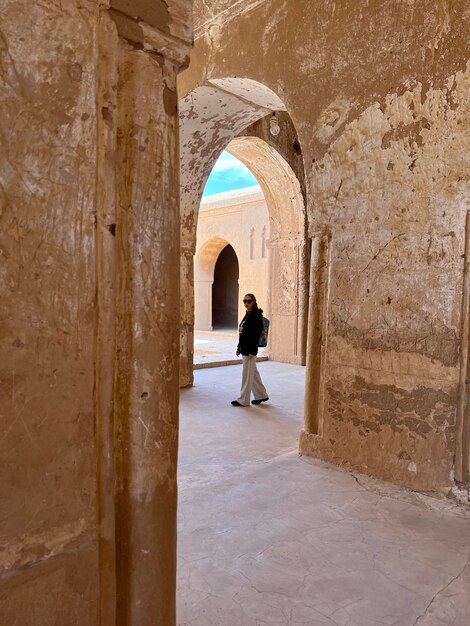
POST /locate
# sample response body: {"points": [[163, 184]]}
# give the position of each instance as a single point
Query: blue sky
{"points": [[228, 173]]}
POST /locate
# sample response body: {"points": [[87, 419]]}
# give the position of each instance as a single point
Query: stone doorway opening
{"points": [[242, 117], [232, 239], [225, 290], [248, 120]]}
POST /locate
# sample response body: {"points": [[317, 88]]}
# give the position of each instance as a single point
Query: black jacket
{"points": [[250, 331]]}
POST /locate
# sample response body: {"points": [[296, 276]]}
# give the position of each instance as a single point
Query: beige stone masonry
{"points": [[90, 349]]}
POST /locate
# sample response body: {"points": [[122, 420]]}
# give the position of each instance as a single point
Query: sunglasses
{"points": [[247, 301]]}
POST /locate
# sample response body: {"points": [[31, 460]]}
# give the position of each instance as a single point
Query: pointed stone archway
{"points": [[287, 246], [212, 116]]}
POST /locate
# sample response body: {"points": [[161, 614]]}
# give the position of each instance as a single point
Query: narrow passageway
{"points": [[268, 537]]}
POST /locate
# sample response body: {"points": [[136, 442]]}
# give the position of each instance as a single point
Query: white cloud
{"points": [[228, 163], [227, 174]]}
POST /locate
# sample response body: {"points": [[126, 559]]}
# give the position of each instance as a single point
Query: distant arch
{"points": [[211, 115], [225, 290], [204, 269], [287, 247]]}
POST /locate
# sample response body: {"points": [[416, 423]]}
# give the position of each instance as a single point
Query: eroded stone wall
{"points": [[395, 187], [48, 312], [90, 310]]}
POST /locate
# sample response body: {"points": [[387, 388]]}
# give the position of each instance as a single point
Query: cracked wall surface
{"points": [[48, 162], [90, 310], [394, 322], [378, 96]]}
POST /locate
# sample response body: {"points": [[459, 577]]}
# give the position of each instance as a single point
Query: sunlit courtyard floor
{"points": [[268, 537], [217, 346]]}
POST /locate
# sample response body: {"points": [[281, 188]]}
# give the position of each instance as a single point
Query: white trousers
{"points": [[251, 382]]}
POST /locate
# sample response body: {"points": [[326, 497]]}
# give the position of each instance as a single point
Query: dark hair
{"points": [[253, 297]]}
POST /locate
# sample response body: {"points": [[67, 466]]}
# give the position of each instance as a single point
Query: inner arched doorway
{"points": [[287, 245], [216, 273], [225, 290], [214, 116]]}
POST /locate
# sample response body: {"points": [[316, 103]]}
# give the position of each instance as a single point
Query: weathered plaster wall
{"points": [[378, 96], [48, 286], [395, 292], [346, 56], [90, 310]]}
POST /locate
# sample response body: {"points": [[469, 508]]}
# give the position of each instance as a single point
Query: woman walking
{"points": [[250, 331]]}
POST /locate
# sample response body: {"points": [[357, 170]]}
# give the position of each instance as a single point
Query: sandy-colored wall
{"points": [[395, 285], [232, 217], [378, 94], [48, 285], [89, 229]]}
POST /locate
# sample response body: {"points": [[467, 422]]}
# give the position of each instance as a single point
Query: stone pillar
{"points": [[49, 572], [147, 339], [317, 335], [148, 314], [302, 302], [187, 315], [288, 288], [203, 304], [462, 426], [89, 358]]}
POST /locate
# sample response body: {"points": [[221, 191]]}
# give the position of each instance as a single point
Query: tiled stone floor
{"points": [[268, 537]]}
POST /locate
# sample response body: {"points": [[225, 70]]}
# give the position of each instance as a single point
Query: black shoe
{"points": [[236, 403], [259, 401]]}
